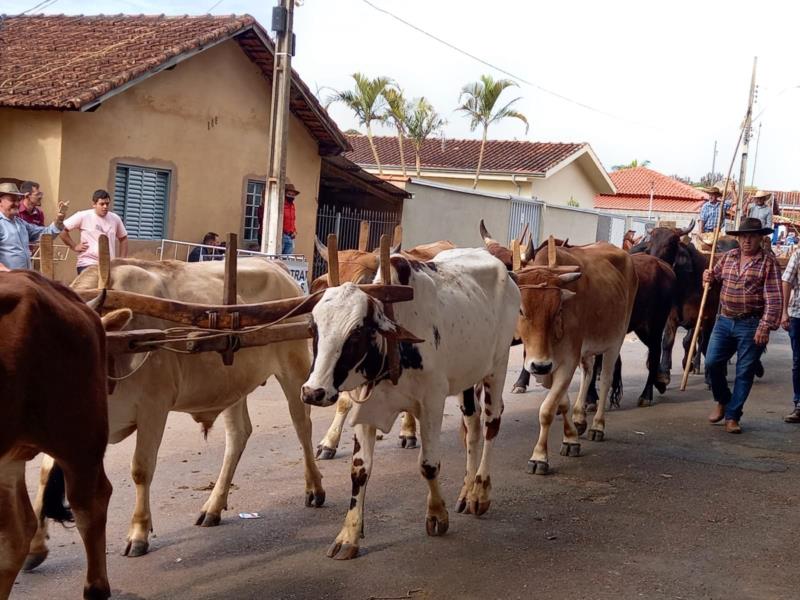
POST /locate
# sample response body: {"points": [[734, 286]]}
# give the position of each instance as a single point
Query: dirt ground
{"points": [[666, 507]]}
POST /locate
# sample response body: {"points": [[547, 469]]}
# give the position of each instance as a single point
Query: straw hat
{"points": [[714, 189], [762, 194], [10, 189]]}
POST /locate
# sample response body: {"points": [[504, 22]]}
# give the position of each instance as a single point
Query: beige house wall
{"points": [[206, 121], [571, 182]]}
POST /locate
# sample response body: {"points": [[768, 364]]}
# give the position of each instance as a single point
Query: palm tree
{"points": [[366, 100], [422, 122], [397, 110], [631, 165], [479, 100]]}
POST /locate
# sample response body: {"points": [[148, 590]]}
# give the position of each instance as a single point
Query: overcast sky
{"points": [[666, 80]]}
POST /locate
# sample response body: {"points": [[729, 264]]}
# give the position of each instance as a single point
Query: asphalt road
{"points": [[666, 507]]}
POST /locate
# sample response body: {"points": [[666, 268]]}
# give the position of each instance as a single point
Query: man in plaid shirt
{"points": [[750, 307], [791, 322], [709, 212]]}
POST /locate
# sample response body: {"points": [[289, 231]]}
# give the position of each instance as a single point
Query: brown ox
{"points": [[358, 266], [53, 390], [198, 384], [571, 313]]}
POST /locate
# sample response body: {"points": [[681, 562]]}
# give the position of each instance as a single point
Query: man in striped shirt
{"points": [[750, 307]]}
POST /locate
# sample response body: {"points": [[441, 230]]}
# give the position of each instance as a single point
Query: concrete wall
{"points": [[434, 214], [680, 219], [577, 225], [206, 121], [571, 182]]}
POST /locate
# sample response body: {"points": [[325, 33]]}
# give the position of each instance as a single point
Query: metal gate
{"points": [[610, 229], [524, 212], [345, 222]]}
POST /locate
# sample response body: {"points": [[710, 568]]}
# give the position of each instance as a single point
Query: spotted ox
{"points": [[465, 306], [53, 390], [571, 313], [358, 266], [200, 384]]}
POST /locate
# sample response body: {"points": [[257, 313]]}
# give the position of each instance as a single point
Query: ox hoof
{"points": [[325, 453], [409, 442], [478, 508], [96, 592], [208, 519], [661, 386], [580, 426], [596, 435], [519, 389], [315, 499], [461, 504], [591, 407], [134, 549], [570, 449], [644, 401], [538, 467], [34, 560], [436, 527], [340, 551]]}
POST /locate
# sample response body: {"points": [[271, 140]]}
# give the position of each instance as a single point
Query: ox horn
{"points": [[96, 304], [322, 249], [396, 249], [529, 252], [569, 277], [485, 234], [688, 229]]}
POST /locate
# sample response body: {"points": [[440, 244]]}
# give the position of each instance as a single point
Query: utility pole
{"points": [[745, 145], [272, 226], [713, 163]]}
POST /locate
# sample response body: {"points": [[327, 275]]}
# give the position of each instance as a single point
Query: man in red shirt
{"points": [[30, 207], [289, 219]]}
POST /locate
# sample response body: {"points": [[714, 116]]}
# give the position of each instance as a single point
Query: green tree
{"points": [[397, 111], [422, 121], [479, 100], [631, 165], [366, 100]]}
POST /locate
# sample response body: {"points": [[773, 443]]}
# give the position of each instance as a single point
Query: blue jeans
{"points": [[288, 244], [731, 337], [794, 336]]}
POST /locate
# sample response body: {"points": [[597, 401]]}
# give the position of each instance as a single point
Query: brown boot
{"points": [[717, 414], [792, 417], [732, 426]]}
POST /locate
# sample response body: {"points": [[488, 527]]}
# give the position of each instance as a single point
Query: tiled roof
{"points": [[787, 199], [500, 156], [634, 187], [70, 62], [602, 202]]}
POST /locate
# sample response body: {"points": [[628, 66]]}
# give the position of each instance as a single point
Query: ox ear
{"points": [[117, 320], [322, 249], [392, 330], [395, 249], [566, 295], [96, 304], [568, 277]]}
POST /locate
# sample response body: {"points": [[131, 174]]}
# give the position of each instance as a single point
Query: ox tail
{"points": [[55, 493], [616, 384]]}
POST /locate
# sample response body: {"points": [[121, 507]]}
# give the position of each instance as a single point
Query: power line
{"points": [[215, 5], [44, 4], [500, 69]]}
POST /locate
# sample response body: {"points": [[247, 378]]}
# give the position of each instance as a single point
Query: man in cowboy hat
{"points": [[759, 209], [289, 218], [16, 234], [709, 212], [750, 307]]}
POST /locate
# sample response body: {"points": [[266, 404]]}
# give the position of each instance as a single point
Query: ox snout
{"points": [[536, 367], [317, 396]]}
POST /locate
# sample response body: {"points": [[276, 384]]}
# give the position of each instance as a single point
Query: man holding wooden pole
{"points": [[750, 306]]}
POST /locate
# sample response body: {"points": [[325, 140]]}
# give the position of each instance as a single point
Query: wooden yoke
{"points": [[551, 252], [363, 236], [392, 349], [516, 257], [229, 294], [103, 263], [333, 260], [46, 266], [397, 239]]}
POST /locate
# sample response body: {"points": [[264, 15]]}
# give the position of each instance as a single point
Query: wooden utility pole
{"points": [[748, 120], [272, 227]]}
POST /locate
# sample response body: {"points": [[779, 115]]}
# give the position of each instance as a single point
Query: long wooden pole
{"points": [[707, 286]]}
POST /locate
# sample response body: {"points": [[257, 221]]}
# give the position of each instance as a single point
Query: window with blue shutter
{"points": [[141, 199]]}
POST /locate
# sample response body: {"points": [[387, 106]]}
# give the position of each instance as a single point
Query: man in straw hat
{"points": [[759, 209], [750, 306], [709, 212], [16, 234]]}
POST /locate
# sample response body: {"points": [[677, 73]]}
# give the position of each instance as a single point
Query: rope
{"points": [[139, 366], [372, 384]]}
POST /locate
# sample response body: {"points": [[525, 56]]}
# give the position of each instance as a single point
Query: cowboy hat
{"points": [[290, 189], [762, 194], [750, 225], [713, 189], [10, 189]]}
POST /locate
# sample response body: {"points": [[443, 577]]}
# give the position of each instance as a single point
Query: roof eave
{"points": [[586, 150]]}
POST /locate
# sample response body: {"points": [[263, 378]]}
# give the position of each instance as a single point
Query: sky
{"points": [[663, 81]]}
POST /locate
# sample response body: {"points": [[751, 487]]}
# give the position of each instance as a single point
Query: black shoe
{"points": [[759, 369], [792, 417]]}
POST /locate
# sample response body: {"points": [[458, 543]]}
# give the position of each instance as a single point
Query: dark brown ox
{"points": [[572, 312], [53, 390], [358, 266]]}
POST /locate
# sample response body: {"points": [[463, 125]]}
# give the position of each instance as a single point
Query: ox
{"points": [[570, 313], [358, 266], [199, 384], [466, 305], [58, 408]]}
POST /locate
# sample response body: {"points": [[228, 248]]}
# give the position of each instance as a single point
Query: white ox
{"points": [[466, 307], [197, 384]]}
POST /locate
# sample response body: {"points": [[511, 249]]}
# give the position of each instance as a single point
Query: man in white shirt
{"points": [[92, 223], [790, 321]]}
